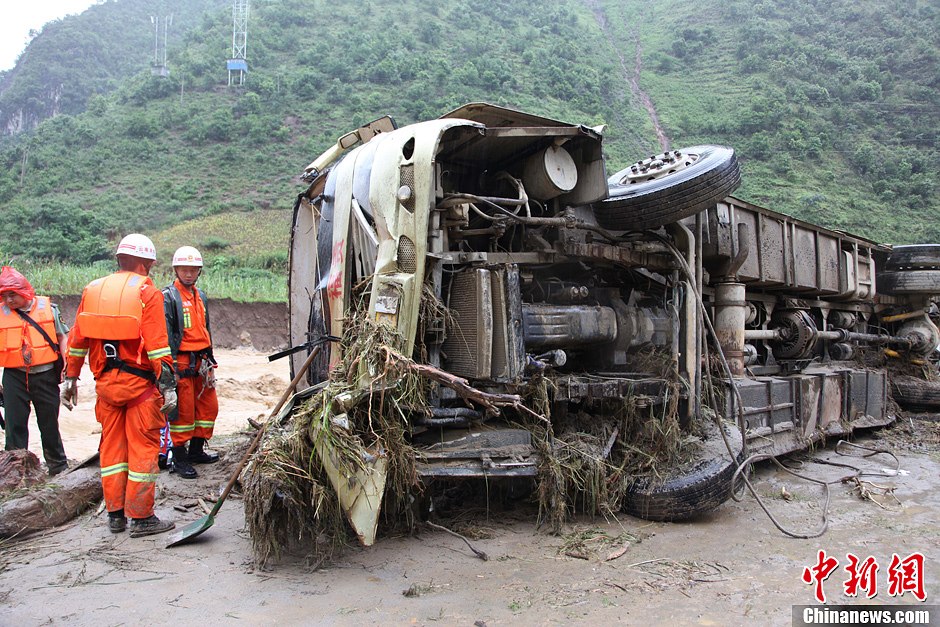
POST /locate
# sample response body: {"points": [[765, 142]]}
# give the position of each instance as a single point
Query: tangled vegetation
{"points": [[288, 495], [586, 462]]}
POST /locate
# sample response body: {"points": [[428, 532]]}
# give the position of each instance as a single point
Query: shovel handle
{"points": [[257, 440]]}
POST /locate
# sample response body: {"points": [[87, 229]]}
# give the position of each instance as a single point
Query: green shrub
{"points": [[214, 244]]}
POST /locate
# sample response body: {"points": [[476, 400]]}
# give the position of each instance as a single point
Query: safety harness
{"points": [[113, 362], [206, 360]]}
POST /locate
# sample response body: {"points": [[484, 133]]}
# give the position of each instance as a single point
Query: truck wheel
{"points": [[909, 282], [915, 257], [693, 488], [668, 187], [916, 394]]}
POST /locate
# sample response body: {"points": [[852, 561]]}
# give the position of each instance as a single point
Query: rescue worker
{"points": [[187, 325], [120, 327], [32, 342]]}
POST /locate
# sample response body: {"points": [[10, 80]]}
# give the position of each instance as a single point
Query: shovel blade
{"points": [[190, 531]]}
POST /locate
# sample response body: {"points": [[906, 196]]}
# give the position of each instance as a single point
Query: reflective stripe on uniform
{"points": [[206, 424], [77, 352], [114, 469], [142, 477], [158, 353], [180, 428]]}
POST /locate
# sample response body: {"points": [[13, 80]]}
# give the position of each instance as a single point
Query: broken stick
{"points": [[483, 556], [490, 401]]}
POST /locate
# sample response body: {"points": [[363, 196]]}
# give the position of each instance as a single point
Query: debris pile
{"points": [[19, 469], [587, 462], [288, 495]]}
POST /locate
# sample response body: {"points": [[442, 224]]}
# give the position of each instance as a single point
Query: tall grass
{"points": [[245, 254], [238, 284]]}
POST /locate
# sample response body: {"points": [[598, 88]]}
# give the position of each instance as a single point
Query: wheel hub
{"points": [[798, 334], [658, 166]]}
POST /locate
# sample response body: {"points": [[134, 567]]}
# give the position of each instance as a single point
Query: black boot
{"points": [[117, 522], [199, 456], [149, 526], [181, 464]]}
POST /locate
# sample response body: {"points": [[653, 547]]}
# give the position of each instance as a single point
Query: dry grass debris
{"points": [[587, 460]]}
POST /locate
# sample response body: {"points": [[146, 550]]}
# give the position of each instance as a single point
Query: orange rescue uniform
{"points": [[128, 406], [198, 405]]}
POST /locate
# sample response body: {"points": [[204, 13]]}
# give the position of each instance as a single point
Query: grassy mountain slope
{"points": [[832, 107]]}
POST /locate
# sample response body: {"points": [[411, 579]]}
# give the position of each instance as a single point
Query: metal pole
{"points": [[166, 27], [156, 38]]}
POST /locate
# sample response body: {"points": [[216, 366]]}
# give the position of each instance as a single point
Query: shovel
{"points": [[196, 527]]}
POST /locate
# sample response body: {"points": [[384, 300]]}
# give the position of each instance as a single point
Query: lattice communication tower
{"points": [[158, 67], [238, 63]]}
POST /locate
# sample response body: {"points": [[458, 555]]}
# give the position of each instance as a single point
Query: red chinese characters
{"points": [[907, 575], [903, 575], [861, 575], [819, 573], [334, 286]]}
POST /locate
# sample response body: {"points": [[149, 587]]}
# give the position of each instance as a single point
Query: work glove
{"points": [[69, 395], [169, 400], [166, 383], [210, 378]]}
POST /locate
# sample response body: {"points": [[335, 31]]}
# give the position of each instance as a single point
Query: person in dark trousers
{"points": [[32, 344], [187, 324]]}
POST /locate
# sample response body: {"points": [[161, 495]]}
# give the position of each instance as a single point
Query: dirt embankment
{"points": [[262, 326]]}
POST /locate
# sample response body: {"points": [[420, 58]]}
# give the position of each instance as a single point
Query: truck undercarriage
{"points": [[639, 310]]}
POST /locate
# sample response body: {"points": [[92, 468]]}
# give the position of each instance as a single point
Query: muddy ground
{"points": [[248, 386], [731, 567]]}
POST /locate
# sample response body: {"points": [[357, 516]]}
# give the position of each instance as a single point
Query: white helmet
{"points": [[187, 256], [137, 245]]}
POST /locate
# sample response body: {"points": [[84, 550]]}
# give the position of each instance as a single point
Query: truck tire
{"points": [[692, 489], [915, 257], [909, 282], [916, 394], [655, 192]]}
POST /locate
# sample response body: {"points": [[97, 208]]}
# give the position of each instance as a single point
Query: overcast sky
{"points": [[21, 16]]}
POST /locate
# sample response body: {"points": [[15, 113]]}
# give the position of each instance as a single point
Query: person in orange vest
{"points": [[187, 325], [32, 342], [120, 328]]}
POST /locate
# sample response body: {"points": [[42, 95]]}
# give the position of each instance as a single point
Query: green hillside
{"points": [[74, 58], [832, 107]]}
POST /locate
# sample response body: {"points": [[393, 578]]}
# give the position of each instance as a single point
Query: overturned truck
{"points": [[544, 301]]}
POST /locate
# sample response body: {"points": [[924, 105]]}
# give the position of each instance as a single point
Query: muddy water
{"points": [[248, 387]]}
